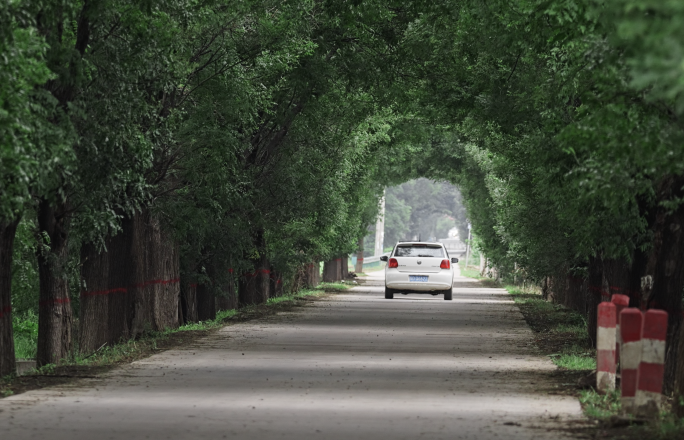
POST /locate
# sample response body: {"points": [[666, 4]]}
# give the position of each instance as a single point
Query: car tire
{"points": [[448, 294], [389, 293]]}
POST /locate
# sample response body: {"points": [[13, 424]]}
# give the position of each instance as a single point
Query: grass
{"points": [[563, 330], [379, 267], [600, 406], [340, 286], [25, 330], [474, 272]]}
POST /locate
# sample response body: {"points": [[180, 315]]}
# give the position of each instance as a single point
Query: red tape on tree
{"points": [[54, 301], [5, 311], [125, 289]]}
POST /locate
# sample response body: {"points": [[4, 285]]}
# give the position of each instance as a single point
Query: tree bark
{"points": [[679, 376], [131, 288], [55, 315], [359, 257], [344, 267], [228, 300], [206, 303], [332, 270], [665, 268], [254, 287], [188, 300], [8, 231], [276, 284], [594, 296]]}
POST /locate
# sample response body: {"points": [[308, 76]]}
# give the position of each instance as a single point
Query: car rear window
{"points": [[417, 250]]}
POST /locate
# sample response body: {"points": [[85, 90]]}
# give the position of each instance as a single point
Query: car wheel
{"points": [[389, 293], [448, 294]]}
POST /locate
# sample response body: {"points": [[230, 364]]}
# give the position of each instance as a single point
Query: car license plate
{"points": [[418, 278]]}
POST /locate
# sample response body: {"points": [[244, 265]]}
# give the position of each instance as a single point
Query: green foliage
{"points": [[425, 209], [25, 270], [600, 406], [25, 329]]}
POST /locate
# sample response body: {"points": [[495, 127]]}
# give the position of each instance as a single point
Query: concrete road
{"points": [[352, 366]]}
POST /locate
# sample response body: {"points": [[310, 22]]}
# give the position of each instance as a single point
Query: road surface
{"points": [[351, 366]]}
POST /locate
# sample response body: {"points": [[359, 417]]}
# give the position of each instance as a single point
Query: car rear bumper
{"points": [[436, 281], [419, 287]]}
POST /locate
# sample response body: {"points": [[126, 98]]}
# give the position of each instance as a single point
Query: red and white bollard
{"points": [[652, 365], [630, 321], [621, 302], [605, 347]]}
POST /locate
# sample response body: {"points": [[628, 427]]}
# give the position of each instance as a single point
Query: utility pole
{"points": [[380, 228]]}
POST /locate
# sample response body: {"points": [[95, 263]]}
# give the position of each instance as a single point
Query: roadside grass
{"points": [[561, 330], [474, 272], [377, 268], [25, 330], [600, 406], [108, 357], [340, 286]]}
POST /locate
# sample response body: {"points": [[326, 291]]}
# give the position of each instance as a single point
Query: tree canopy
{"points": [[257, 136]]}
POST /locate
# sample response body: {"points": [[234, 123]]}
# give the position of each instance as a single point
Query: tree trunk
{"points": [[94, 328], [679, 375], [359, 257], [665, 268], [344, 267], [332, 271], [576, 298], [8, 231], [206, 303], [188, 300], [315, 274], [54, 317], [276, 284], [307, 277], [594, 296], [228, 299], [254, 287], [132, 288]]}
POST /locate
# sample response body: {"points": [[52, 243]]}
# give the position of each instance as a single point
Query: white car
{"points": [[419, 267]]}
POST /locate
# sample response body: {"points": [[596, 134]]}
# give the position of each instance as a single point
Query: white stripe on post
{"points": [[630, 355], [652, 365], [605, 347], [621, 302]]}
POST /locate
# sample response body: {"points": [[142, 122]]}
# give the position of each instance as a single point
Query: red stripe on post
{"points": [[606, 315], [631, 320], [621, 302], [605, 344], [651, 368], [651, 377], [630, 324], [655, 325]]}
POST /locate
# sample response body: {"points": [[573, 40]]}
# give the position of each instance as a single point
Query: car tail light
{"points": [[446, 264], [392, 263]]}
